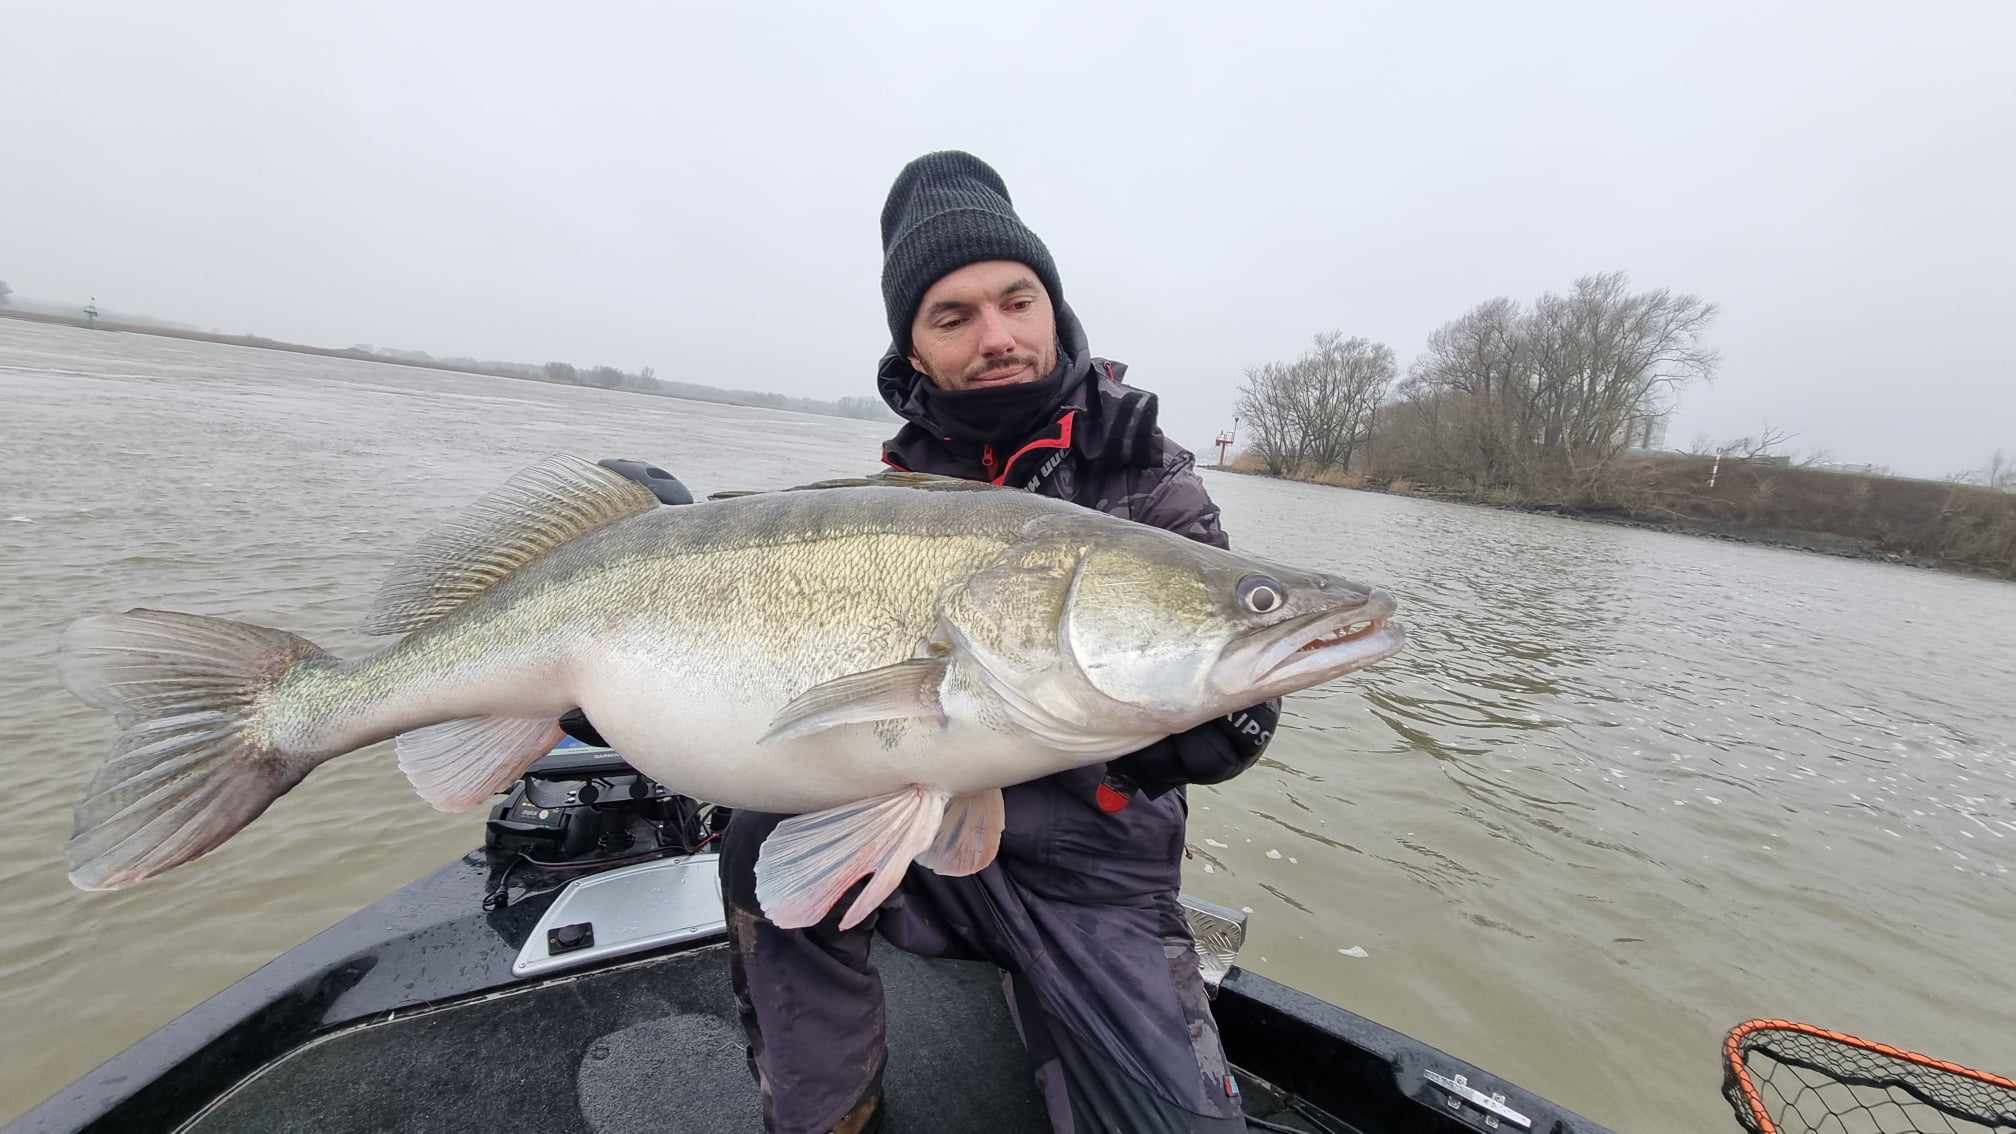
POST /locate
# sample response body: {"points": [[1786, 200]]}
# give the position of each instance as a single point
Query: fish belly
{"points": [[701, 737]]}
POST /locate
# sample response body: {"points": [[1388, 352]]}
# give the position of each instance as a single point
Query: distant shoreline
{"points": [[682, 390], [1791, 539]]}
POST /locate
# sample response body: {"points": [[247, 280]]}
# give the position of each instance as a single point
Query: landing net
{"points": [[1789, 1078]]}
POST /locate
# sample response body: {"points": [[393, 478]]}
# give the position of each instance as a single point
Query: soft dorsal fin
{"points": [[904, 478], [536, 511], [887, 478]]}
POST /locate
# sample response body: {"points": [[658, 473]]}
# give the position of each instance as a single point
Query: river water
{"points": [[1622, 791]]}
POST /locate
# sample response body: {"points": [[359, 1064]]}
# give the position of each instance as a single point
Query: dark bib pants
{"points": [[1080, 913]]}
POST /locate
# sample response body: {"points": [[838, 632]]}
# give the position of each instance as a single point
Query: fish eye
{"points": [[1260, 594]]}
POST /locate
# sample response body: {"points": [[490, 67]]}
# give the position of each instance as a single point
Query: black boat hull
{"points": [[408, 1016]]}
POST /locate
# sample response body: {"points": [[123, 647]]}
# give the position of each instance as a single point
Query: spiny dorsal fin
{"points": [[552, 502]]}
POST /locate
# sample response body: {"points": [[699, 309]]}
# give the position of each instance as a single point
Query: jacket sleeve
{"points": [[1176, 500], [1211, 753], [1217, 750]]}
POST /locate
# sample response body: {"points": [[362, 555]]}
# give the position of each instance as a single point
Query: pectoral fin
{"points": [[968, 836], [893, 692], [809, 861]]}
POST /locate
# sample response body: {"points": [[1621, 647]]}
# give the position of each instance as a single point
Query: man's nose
{"points": [[995, 337]]}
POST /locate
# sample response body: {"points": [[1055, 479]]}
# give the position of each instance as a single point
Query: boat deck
{"points": [[411, 1015], [652, 1046]]}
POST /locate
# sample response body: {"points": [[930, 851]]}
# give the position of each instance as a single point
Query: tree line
{"points": [[1531, 398], [646, 381], [1552, 403]]}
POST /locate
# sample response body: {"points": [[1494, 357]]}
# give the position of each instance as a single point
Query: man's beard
{"points": [[1039, 367], [1004, 413]]}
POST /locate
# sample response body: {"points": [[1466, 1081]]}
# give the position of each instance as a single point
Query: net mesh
{"points": [[1790, 1078]]}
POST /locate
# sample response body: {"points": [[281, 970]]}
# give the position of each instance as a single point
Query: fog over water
{"points": [[696, 190]]}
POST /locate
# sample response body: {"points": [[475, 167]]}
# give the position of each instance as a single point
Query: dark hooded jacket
{"points": [[1099, 447]]}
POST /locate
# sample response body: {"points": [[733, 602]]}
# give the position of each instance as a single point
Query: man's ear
{"points": [[917, 364]]}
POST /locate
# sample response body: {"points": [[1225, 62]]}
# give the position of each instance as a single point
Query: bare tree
{"points": [[1604, 357], [5, 292], [1474, 385], [1998, 473], [1339, 382], [1764, 443], [2001, 473], [1313, 414], [1481, 353], [1266, 402], [1550, 396]]}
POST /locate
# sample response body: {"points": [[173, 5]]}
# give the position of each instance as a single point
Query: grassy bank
{"points": [[1922, 523]]}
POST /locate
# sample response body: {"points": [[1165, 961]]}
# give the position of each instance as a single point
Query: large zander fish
{"points": [[878, 659]]}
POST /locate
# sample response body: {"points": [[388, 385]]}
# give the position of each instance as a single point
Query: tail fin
{"points": [[194, 764]]}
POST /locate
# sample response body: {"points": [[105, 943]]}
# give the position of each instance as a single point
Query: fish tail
{"points": [[195, 761]]}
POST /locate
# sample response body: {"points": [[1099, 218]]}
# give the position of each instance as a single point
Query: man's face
{"points": [[987, 324]]}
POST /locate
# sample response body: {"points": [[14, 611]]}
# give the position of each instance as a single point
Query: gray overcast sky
{"points": [[697, 190]]}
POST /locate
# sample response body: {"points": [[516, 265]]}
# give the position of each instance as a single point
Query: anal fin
{"points": [[809, 862], [458, 764], [968, 836]]}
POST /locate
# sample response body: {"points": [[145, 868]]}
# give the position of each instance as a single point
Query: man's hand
{"points": [[1211, 753]]}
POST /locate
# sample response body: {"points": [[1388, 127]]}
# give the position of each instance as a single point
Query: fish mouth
{"points": [[1329, 643]]}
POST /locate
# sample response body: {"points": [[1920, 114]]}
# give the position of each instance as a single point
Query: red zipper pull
{"points": [[987, 458]]}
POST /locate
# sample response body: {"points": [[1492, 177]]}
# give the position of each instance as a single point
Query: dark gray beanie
{"points": [[948, 210]]}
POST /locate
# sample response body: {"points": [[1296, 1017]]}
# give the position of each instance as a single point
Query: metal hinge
{"points": [[1493, 1105]]}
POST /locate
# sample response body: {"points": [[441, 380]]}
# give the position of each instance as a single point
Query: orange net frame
{"points": [[1784, 1077]]}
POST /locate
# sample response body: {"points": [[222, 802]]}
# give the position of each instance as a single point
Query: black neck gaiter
{"points": [[1000, 415]]}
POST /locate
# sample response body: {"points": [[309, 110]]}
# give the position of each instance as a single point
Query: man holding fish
{"points": [[991, 370], [1001, 661]]}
